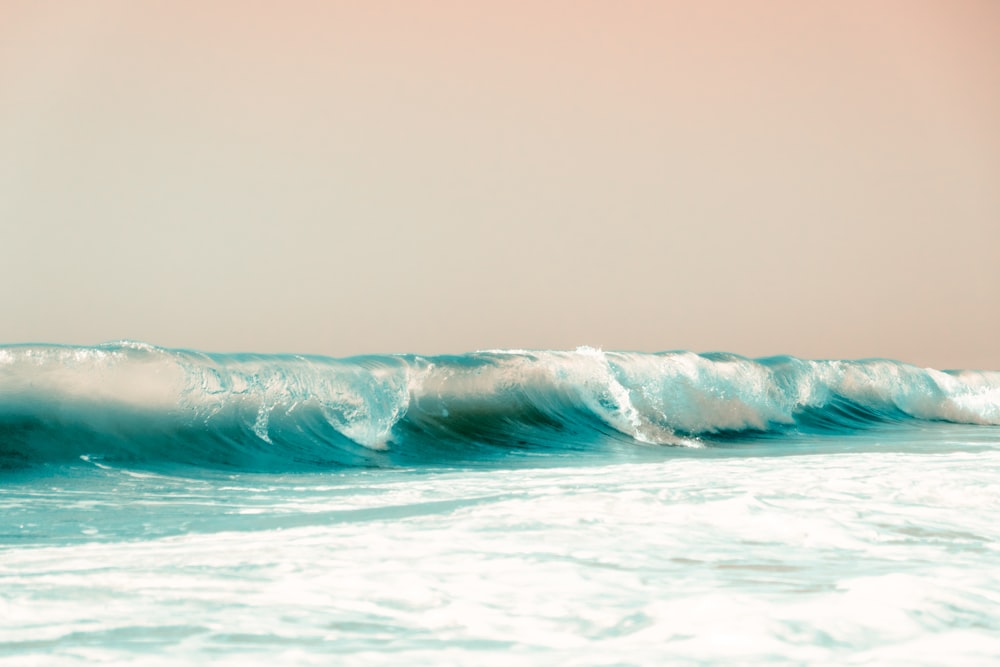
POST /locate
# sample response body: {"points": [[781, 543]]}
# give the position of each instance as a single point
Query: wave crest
{"points": [[134, 401]]}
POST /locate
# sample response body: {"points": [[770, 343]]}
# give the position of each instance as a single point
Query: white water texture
{"points": [[869, 557]]}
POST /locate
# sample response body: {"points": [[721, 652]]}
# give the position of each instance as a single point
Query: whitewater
{"points": [[580, 507]]}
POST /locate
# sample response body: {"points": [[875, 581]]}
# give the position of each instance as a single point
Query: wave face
{"points": [[132, 402]]}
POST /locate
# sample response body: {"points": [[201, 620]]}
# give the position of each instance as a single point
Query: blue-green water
{"points": [[581, 508]]}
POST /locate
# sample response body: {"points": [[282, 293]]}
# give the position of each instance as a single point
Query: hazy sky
{"points": [[819, 179]]}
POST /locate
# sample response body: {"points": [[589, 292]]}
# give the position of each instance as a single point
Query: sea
{"points": [[579, 507]]}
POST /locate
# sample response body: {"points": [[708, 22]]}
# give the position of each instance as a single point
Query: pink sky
{"points": [[775, 177]]}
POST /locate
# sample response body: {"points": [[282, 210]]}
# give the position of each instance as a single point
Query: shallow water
{"points": [[550, 507], [881, 547]]}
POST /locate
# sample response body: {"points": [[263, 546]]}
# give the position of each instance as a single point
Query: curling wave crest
{"points": [[130, 401]]}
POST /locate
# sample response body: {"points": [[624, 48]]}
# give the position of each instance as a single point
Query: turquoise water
{"points": [[581, 508]]}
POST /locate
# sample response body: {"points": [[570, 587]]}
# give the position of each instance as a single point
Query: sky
{"points": [[775, 177]]}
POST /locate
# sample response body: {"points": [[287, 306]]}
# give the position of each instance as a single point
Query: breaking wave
{"points": [[133, 402]]}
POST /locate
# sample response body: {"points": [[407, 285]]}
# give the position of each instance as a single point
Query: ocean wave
{"points": [[130, 401]]}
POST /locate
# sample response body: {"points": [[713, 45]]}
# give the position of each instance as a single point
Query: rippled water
{"points": [[877, 548]]}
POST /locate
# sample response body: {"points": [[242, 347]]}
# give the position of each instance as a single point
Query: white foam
{"points": [[874, 558]]}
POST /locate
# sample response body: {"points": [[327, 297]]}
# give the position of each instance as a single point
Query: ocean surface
{"points": [[503, 507]]}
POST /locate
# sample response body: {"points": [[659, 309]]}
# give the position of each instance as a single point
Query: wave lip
{"points": [[137, 402]]}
